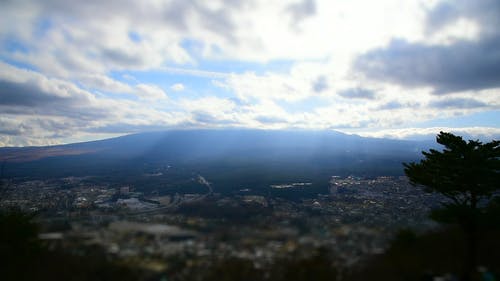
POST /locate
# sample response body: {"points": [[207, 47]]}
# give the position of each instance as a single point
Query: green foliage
{"points": [[468, 174], [464, 172]]}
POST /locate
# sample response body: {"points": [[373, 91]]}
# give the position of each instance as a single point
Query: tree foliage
{"points": [[467, 173]]}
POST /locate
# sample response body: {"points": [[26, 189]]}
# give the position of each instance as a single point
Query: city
{"points": [[358, 218]]}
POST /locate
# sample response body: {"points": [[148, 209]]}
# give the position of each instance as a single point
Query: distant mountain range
{"points": [[230, 158]]}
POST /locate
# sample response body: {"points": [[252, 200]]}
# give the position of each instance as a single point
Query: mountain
{"points": [[230, 159]]}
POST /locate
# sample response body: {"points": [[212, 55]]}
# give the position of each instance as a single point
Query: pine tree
{"points": [[467, 174]]}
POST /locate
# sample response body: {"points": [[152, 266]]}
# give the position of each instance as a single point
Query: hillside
{"points": [[230, 159]]}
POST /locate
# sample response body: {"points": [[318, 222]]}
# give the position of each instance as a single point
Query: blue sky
{"points": [[75, 71]]}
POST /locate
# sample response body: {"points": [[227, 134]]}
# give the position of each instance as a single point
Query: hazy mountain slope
{"points": [[229, 158]]}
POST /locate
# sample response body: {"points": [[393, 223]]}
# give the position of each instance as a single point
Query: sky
{"points": [[83, 70]]}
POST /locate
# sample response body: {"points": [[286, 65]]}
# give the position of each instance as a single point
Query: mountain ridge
{"points": [[30, 153], [230, 159]]}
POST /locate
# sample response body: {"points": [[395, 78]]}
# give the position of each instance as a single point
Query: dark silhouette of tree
{"points": [[19, 244], [468, 174]]}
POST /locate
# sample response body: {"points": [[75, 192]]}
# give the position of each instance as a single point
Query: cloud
{"points": [[485, 12], [216, 18], [195, 72], [65, 39], [201, 119], [25, 91], [24, 95], [483, 133], [22, 129], [248, 86], [150, 92], [270, 119], [301, 10], [391, 105], [104, 83], [320, 84], [177, 87], [357, 93], [458, 67], [208, 104], [39, 110], [70, 70], [121, 58], [462, 103], [466, 63], [10, 127]]}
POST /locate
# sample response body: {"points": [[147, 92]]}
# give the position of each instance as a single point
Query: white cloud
{"points": [[104, 83], [85, 37], [461, 29], [38, 110], [194, 72], [83, 58], [150, 92], [208, 104], [177, 87], [483, 133]]}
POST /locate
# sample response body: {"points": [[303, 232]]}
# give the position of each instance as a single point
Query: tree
{"points": [[19, 244], [467, 174]]}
